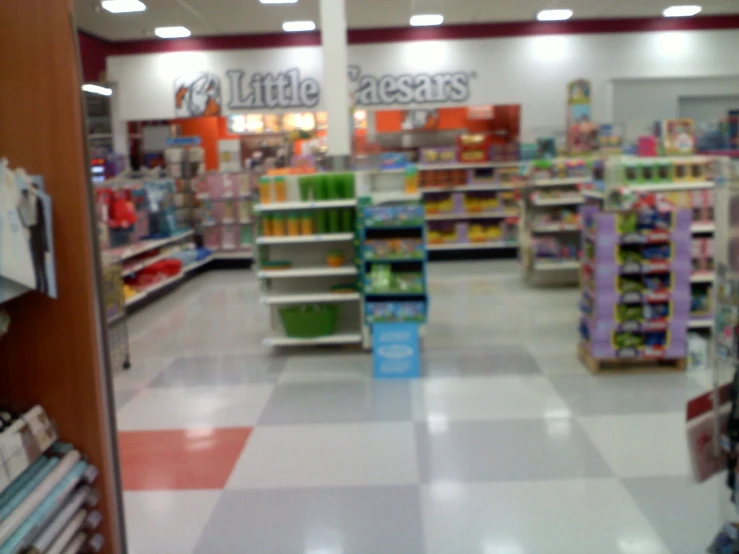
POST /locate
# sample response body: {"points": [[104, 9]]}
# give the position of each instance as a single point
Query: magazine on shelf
{"points": [[26, 236]]}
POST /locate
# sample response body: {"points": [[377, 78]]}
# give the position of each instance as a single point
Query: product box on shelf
{"points": [[638, 307], [605, 339], [392, 249], [393, 216], [439, 154], [395, 312], [599, 296]]}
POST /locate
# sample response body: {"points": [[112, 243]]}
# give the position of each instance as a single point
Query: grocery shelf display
{"points": [[471, 206], [648, 262], [312, 294], [225, 218], [550, 219], [393, 264]]}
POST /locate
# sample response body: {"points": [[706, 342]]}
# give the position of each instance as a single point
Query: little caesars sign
{"points": [[288, 89]]}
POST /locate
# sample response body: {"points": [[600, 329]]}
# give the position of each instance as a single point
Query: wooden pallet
{"points": [[615, 365]]}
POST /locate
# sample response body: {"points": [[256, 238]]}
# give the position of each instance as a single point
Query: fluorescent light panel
{"points": [[96, 89], [279, 1], [298, 26], [123, 6], [554, 15], [427, 20], [682, 11], [172, 32]]}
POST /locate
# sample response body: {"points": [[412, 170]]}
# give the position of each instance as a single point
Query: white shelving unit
{"points": [[539, 200], [307, 279]]}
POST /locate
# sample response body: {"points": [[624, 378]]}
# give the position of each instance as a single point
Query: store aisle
{"points": [[507, 446]]}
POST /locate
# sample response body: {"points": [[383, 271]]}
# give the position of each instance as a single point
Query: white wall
{"points": [[532, 71], [638, 103]]}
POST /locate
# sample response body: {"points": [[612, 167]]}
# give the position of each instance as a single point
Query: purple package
{"points": [[458, 203], [463, 232]]}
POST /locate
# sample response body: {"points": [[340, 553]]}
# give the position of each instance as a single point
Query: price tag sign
{"points": [[396, 351]]}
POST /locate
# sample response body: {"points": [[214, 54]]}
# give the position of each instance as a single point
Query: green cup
{"points": [[306, 185], [319, 187], [333, 221]]}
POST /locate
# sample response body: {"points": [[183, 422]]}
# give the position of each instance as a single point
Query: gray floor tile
{"points": [[625, 394], [377, 520], [123, 397], [477, 362], [511, 450], [686, 514], [350, 402], [200, 371]]}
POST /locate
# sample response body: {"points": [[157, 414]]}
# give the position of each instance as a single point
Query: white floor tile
{"points": [[504, 397], [233, 406], [328, 456], [330, 367], [641, 445], [536, 517], [167, 521], [560, 364]]}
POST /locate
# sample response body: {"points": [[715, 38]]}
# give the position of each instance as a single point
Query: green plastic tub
{"points": [[309, 321]]}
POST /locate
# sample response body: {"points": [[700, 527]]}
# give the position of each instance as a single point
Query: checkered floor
{"points": [[506, 446]]}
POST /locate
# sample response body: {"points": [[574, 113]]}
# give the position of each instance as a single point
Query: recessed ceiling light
{"points": [[96, 89], [172, 32], [279, 1], [298, 26], [682, 11], [554, 15], [427, 20], [123, 6]]}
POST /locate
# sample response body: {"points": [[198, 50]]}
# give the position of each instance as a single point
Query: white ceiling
{"points": [[227, 17]]}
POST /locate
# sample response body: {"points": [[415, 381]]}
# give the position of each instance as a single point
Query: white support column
{"points": [[119, 128], [335, 88]]}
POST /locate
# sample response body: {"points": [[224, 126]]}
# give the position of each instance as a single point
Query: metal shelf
{"points": [[544, 202], [311, 297], [326, 237], [324, 271], [340, 338], [128, 252], [472, 246], [463, 165], [568, 181], [502, 214], [467, 188], [708, 277], [313, 205], [556, 266]]}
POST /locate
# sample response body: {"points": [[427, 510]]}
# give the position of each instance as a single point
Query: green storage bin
{"points": [[309, 321]]}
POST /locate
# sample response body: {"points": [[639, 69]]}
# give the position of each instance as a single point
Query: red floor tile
{"points": [[180, 459]]}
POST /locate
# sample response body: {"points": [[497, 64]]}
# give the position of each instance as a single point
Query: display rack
{"points": [[393, 264], [471, 206], [664, 272], [550, 220], [46, 494], [311, 293], [225, 218], [54, 352]]}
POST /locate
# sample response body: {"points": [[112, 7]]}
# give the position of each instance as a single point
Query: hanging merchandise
{"points": [[26, 236]]}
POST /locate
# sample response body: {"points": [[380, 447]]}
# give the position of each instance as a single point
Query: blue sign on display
{"points": [[183, 141], [395, 351]]}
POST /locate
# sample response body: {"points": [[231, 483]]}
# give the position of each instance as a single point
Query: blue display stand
{"points": [[396, 351]]}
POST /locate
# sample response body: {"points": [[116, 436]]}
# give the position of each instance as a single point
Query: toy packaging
{"points": [[393, 216], [396, 312]]}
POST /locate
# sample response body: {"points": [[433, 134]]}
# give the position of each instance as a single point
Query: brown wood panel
{"points": [[53, 352]]}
